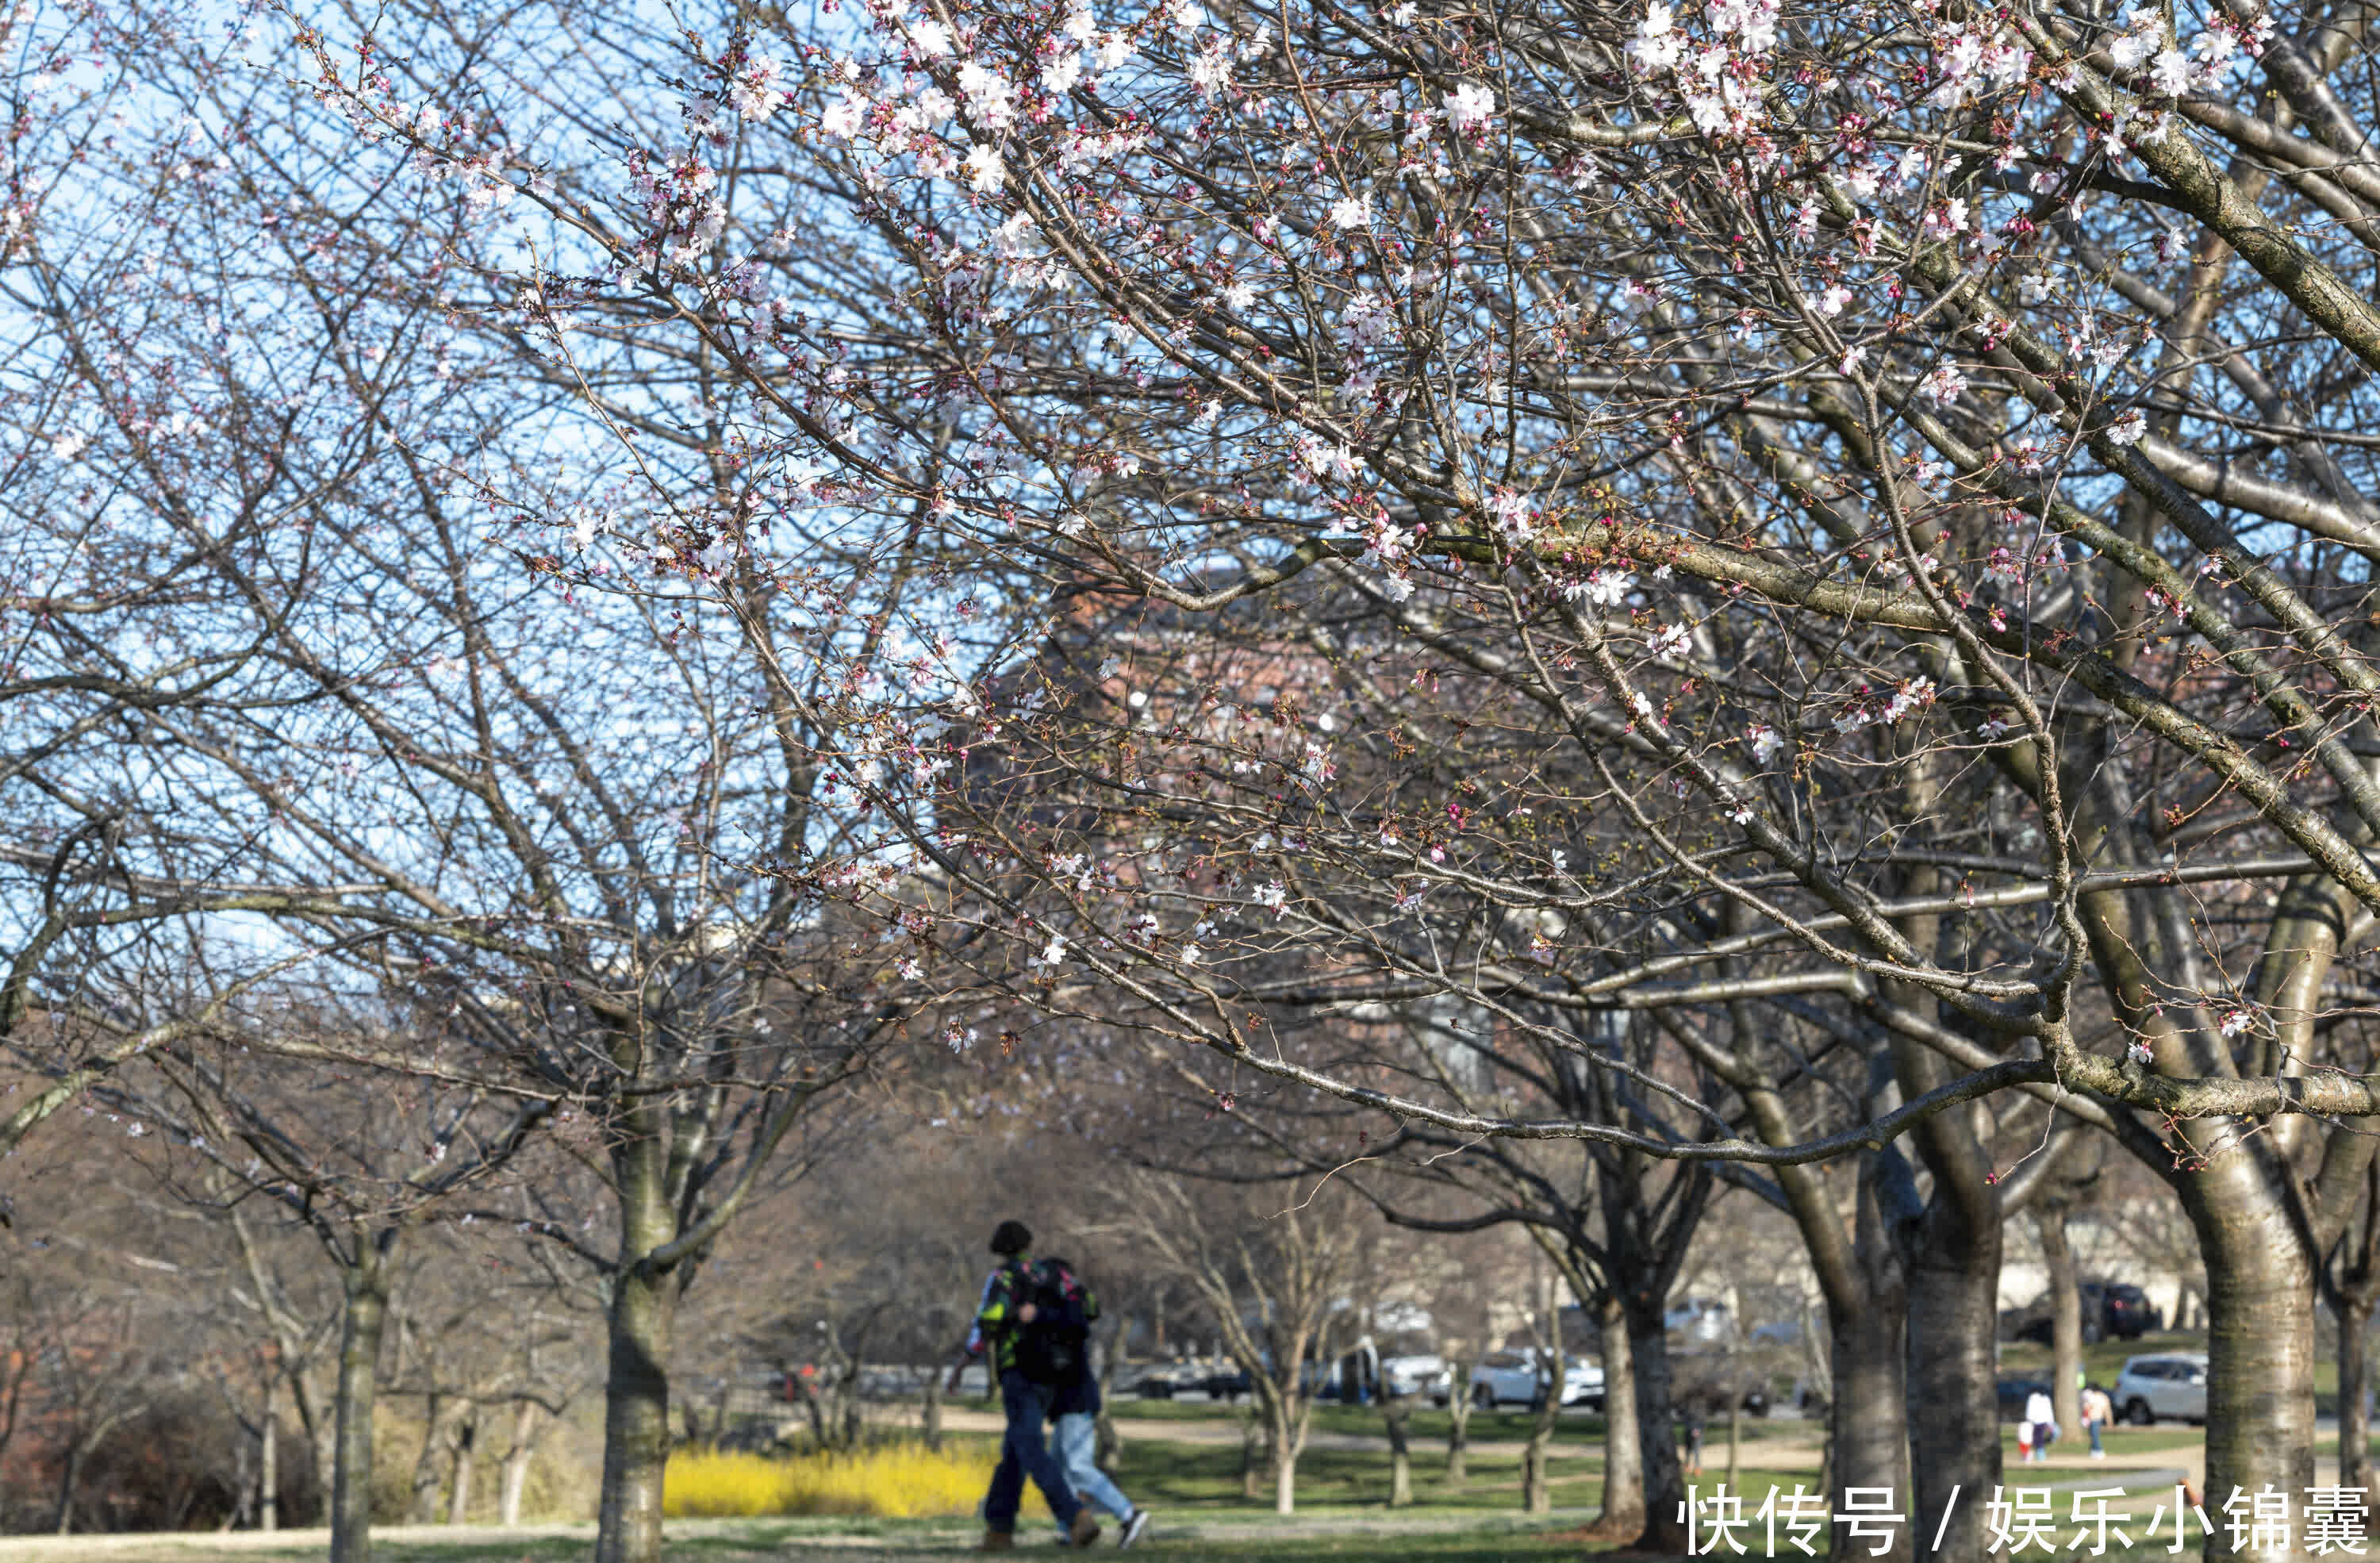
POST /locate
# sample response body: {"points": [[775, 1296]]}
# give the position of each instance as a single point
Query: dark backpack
{"points": [[1049, 1349]]}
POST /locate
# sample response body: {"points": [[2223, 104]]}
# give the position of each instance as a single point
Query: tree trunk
{"points": [[636, 1386], [69, 1478], [467, 1438], [268, 1479], [2260, 1287], [1285, 1467], [516, 1460], [1458, 1421], [1536, 1481], [323, 1437], [2065, 1320], [635, 1420], [1623, 1455], [1953, 1419], [422, 1504], [243, 1503], [1107, 1444], [930, 1419], [1664, 1479], [1396, 1413], [365, 1317], [1867, 1442], [2354, 1384]]}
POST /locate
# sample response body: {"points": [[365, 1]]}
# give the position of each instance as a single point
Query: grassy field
{"points": [[1194, 1489]]}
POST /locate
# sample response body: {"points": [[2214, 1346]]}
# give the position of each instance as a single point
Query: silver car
{"points": [[1412, 1375], [2169, 1384]]}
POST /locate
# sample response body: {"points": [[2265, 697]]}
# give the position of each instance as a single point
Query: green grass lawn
{"points": [[752, 1541], [1194, 1489], [1207, 1477], [1425, 1422]]}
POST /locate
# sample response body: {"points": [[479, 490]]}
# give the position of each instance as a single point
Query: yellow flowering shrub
{"points": [[903, 1481]]}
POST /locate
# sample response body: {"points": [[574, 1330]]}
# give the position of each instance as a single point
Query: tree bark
{"points": [[2065, 1319], [2354, 1383], [268, 1479], [1396, 1414], [1536, 1480], [636, 1419], [2260, 1285], [1656, 1443], [243, 1502], [1458, 1421], [1954, 1435], [366, 1315], [1536, 1456], [69, 1478], [1950, 1250], [636, 1387], [516, 1459], [1285, 1467], [1867, 1442], [1623, 1455], [422, 1504], [930, 1419], [467, 1438], [1107, 1444]]}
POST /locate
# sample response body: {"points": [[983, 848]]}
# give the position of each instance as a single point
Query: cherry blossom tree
{"points": [[1848, 512]]}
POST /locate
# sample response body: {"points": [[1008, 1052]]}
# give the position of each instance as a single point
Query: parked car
{"points": [[1583, 1385], [1512, 1378], [2015, 1392], [2170, 1383], [1227, 1385], [1412, 1375], [2110, 1308], [1166, 1380], [1703, 1321]]}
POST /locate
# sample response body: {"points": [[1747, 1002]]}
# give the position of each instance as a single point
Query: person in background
{"points": [[1008, 1310], [2044, 1418], [2098, 1410], [1694, 1436], [1074, 1408]]}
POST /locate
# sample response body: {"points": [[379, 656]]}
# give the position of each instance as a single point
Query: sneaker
{"points": [[1085, 1529], [1134, 1528], [2098, 1454]]}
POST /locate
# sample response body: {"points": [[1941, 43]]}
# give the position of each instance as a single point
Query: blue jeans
{"points": [[1024, 1452], [1076, 1436], [2094, 1426]]}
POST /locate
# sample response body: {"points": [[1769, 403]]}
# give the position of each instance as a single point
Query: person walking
{"points": [[2098, 1410], [1074, 1409], [1694, 1436], [2044, 1418], [1012, 1301]]}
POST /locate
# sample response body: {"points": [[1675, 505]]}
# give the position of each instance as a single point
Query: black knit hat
{"points": [[1011, 1238]]}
